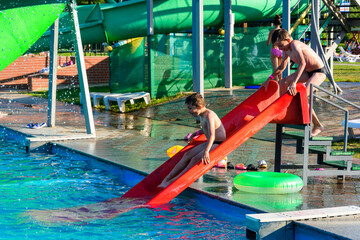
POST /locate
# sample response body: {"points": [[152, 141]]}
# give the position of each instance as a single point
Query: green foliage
{"points": [[140, 104], [354, 10], [347, 72], [72, 96], [353, 146], [347, 37]]}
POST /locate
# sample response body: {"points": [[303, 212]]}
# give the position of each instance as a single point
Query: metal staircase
{"points": [[337, 14], [334, 23], [338, 24], [335, 163], [328, 21]]}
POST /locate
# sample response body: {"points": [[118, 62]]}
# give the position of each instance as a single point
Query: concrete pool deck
{"points": [[139, 140]]}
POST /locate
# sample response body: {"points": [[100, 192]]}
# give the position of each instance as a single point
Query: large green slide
{"points": [[23, 23]]}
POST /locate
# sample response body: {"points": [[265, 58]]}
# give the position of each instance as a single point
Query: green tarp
{"points": [[172, 62]]}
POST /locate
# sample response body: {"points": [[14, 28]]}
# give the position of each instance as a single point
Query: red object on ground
{"points": [[240, 166], [221, 164], [241, 123]]}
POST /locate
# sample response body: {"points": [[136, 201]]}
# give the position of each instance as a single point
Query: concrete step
{"points": [[280, 225]]}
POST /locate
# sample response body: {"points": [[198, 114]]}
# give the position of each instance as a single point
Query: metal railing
{"points": [[322, 27], [346, 122]]}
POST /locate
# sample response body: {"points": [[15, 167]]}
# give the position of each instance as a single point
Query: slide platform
{"points": [[241, 123]]}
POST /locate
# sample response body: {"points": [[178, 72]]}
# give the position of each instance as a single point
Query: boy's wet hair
{"points": [[283, 35], [195, 99]]}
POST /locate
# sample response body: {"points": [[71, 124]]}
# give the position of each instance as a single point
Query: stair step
{"points": [[300, 135], [321, 149], [301, 127], [342, 164], [341, 153], [300, 166], [317, 149]]}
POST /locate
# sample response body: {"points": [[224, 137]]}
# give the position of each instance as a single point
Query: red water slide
{"points": [[241, 123]]}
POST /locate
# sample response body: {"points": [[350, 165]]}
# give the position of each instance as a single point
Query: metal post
{"points": [[331, 66], [286, 25], [150, 33], [54, 40], [311, 103], [278, 145], [346, 127], [198, 46], [307, 132], [229, 30], [150, 18], [331, 42], [80, 62], [315, 15]]}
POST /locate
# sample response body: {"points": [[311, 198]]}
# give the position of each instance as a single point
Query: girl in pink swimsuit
{"points": [[276, 53]]}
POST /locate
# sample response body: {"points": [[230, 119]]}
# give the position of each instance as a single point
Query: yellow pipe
{"points": [[302, 16]]}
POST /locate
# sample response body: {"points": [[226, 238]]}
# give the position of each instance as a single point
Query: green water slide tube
{"points": [[113, 22], [22, 23]]}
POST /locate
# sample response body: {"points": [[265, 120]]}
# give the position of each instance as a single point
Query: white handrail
{"points": [[333, 104]]}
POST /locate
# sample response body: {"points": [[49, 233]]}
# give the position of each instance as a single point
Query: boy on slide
{"points": [[214, 131], [310, 69]]}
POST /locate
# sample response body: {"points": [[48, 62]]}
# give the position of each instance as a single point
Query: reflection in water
{"points": [[179, 220], [101, 210], [269, 202], [185, 222], [131, 122], [127, 122]]}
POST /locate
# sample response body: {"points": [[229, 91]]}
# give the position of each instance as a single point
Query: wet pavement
{"points": [[139, 140]]}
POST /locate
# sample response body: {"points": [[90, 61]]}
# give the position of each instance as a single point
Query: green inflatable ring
{"points": [[268, 182]]}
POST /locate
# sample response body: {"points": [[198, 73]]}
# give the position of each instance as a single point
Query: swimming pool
{"points": [[47, 182]]}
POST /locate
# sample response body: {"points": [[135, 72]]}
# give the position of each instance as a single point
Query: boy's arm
{"points": [[282, 65], [277, 71], [301, 67], [194, 134]]}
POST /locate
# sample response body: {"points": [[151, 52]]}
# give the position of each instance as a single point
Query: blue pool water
{"points": [[39, 181]]}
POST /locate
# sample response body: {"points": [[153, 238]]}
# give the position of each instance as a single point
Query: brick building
{"points": [[25, 72]]}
